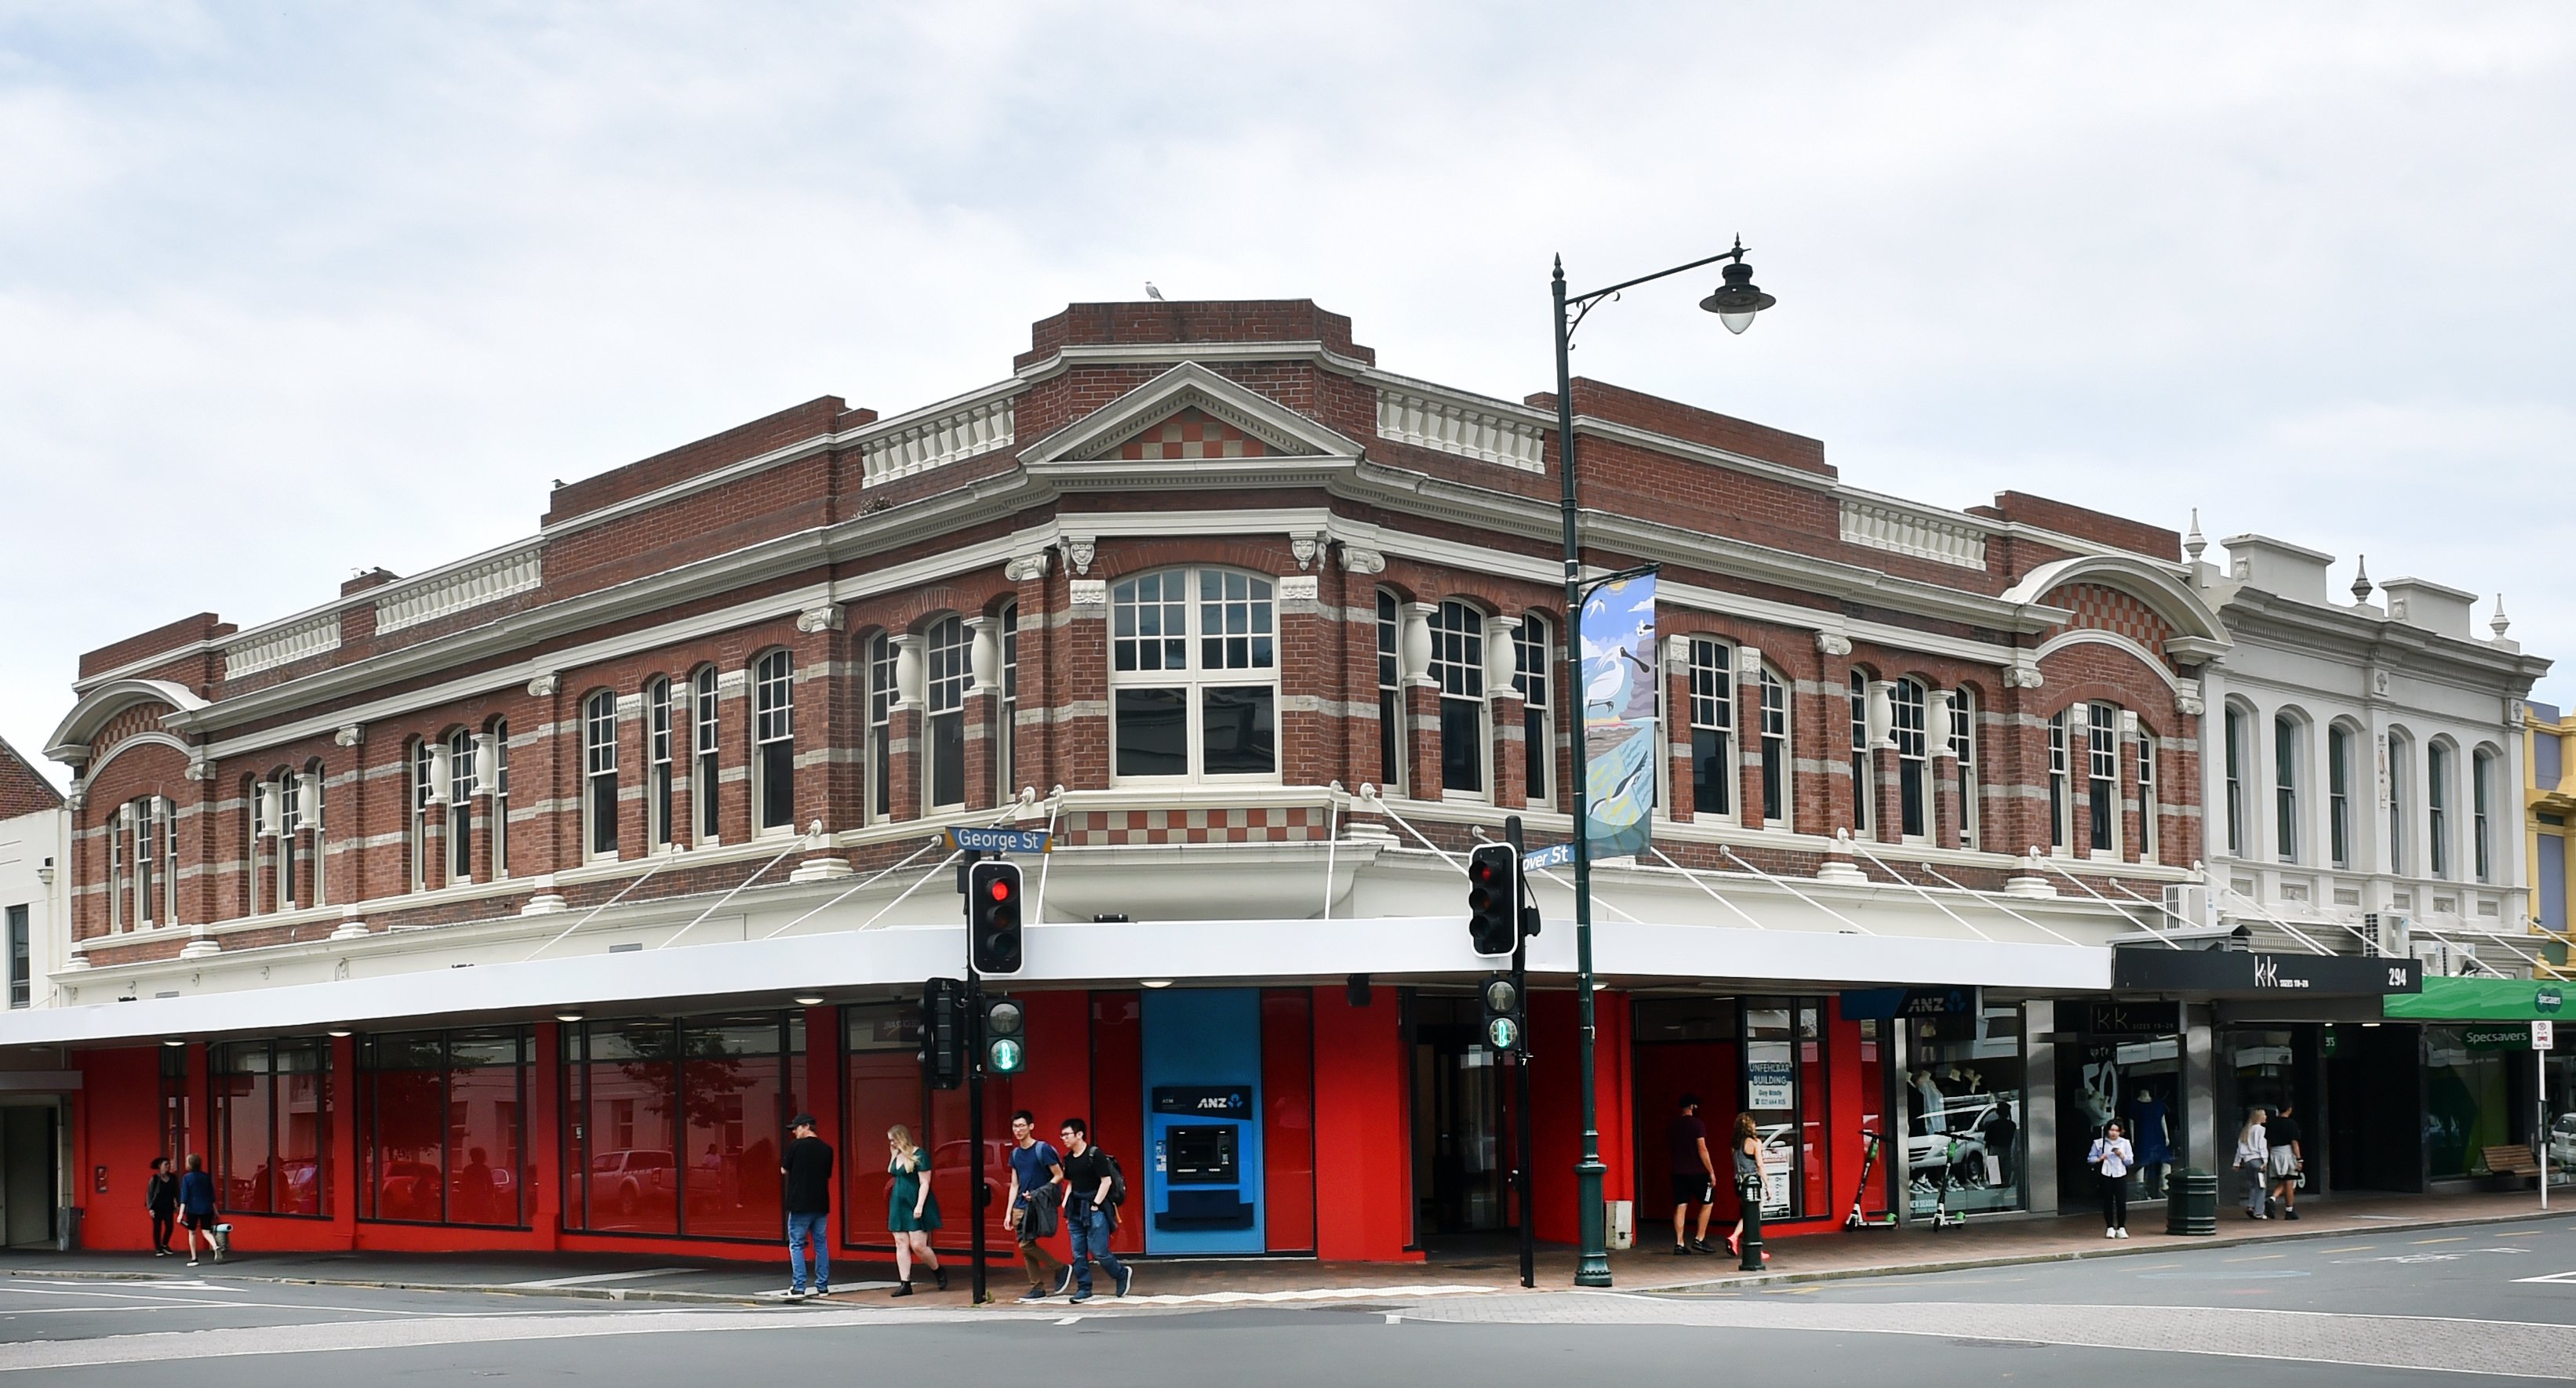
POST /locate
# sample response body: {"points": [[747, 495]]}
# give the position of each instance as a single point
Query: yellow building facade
{"points": [[2549, 821]]}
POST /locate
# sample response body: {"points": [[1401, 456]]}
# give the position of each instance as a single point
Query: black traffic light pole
{"points": [[974, 1077], [1520, 1066]]}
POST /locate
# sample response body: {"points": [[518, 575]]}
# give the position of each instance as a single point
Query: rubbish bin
{"points": [[2191, 1202]]}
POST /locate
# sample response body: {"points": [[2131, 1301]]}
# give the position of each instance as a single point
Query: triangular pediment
{"points": [[1190, 414]]}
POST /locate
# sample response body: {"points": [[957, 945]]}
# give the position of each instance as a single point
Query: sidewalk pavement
{"points": [[1487, 1264]]}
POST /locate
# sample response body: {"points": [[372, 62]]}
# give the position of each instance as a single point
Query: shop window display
{"points": [[677, 1126], [1964, 1115], [883, 1045], [2132, 1075], [272, 1114], [2469, 1093], [1762, 1056], [442, 1133]]}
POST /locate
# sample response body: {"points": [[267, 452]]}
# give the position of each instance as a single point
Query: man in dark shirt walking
{"points": [[1036, 1168], [807, 1165], [1694, 1176], [2282, 1131], [1087, 1213]]}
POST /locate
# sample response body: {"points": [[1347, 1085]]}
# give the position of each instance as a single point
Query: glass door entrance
{"points": [[1462, 1154]]}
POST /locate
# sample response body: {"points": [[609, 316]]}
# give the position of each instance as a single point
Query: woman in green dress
{"points": [[912, 1211]]}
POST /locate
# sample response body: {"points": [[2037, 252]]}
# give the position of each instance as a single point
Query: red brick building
{"points": [[1265, 634]]}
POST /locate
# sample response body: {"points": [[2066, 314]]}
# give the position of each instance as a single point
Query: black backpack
{"points": [[1117, 1181]]}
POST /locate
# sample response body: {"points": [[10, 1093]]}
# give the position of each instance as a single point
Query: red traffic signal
{"points": [[993, 922], [1494, 898]]}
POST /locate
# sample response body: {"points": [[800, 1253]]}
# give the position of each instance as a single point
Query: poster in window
{"points": [[1770, 1077]]}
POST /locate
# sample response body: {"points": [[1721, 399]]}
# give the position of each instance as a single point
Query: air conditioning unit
{"points": [[2389, 930], [2188, 901], [2437, 958]]}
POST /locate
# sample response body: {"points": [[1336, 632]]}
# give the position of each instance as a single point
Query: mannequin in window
{"points": [[1928, 1101], [2153, 1124]]}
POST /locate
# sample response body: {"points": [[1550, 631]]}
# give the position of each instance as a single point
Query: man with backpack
{"points": [[1093, 1190]]}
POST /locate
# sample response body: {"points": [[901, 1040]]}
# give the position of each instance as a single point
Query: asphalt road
{"points": [[2458, 1303]]}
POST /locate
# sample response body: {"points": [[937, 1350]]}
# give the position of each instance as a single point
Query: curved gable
{"points": [[104, 706], [2126, 597]]}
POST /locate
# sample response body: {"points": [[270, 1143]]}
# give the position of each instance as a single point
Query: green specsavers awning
{"points": [[2480, 1000]]}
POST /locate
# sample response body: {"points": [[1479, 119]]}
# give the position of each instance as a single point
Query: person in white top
{"points": [[2254, 1158], [2112, 1157]]}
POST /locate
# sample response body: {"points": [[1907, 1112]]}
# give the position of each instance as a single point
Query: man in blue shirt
{"points": [[1036, 1167]]}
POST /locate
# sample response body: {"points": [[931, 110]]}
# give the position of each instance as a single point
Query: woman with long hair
{"points": [[2254, 1158], [197, 1208], [1747, 1146], [2111, 1159], [912, 1211]]}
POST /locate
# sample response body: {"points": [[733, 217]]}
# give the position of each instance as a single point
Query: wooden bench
{"points": [[2512, 1159]]}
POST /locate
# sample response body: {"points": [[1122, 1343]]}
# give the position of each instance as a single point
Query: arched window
{"points": [[2401, 792], [661, 770], [1390, 694], [1908, 710], [1006, 721], [950, 656], [460, 806], [2102, 779], [1775, 748], [1194, 680], [599, 774], [2481, 797], [773, 741], [2339, 794], [2285, 787], [881, 696], [1458, 666], [498, 793], [424, 790], [1963, 745], [1712, 727], [706, 740], [1533, 648], [2150, 807], [2061, 794], [1861, 790], [2238, 728], [2437, 804]]}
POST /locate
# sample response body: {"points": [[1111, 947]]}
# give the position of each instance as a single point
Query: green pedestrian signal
{"points": [[1006, 1042], [1007, 1056], [1503, 1033]]}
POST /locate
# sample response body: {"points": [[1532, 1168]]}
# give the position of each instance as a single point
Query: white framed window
{"points": [[169, 813], [1963, 745], [309, 822], [151, 870], [1392, 771], [1863, 793], [950, 654], [1909, 712], [2339, 794], [599, 774], [460, 806], [498, 794], [2481, 796], [1458, 665], [1194, 681], [2437, 805], [1776, 762], [289, 840], [118, 830], [706, 745], [1006, 718], [661, 770], [773, 742], [1533, 655], [2400, 806], [2236, 754], [2150, 833], [1712, 727], [2061, 795], [881, 696], [2285, 787], [2102, 767], [423, 787]]}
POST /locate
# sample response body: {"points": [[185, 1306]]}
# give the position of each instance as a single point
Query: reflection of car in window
{"points": [[2562, 1142], [630, 1179]]}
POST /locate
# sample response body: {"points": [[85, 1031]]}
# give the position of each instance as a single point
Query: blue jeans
{"points": [[1090, 1230], [803, 1228]]}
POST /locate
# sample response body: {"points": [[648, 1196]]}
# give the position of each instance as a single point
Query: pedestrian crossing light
{"points": [[1494, 898], [1504, 1029], [993, 917], [1006, 1042], [943, 1033]]}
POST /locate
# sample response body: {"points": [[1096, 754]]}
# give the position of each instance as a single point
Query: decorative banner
{"points": [[1619, 715]]}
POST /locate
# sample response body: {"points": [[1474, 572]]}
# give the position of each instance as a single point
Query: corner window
{"points": [[1458, 665], [1532, 650], [705, 740], [1712, 727], [1194, 681], [773, 741], [599, 774]]}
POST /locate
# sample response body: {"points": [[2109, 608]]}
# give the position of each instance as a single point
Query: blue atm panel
{"points": [[1203, 1121]]}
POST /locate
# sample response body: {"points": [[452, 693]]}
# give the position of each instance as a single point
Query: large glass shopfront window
{"points": [[883, 1043], [1963, 1097], [675, 1127], [2477, 1093], [272, 1116], [1759, 1056], [442, 1128], [2120, 1065]]}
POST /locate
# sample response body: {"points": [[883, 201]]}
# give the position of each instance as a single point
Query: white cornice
{"points": [[1151, 353]]}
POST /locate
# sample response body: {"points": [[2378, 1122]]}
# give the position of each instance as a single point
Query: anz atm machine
{"points": [[1203, 1121]]}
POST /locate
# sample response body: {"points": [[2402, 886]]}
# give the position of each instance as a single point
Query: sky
{"points": [[288, 291]]}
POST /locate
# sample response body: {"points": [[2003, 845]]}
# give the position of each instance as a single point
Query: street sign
{"points": [[997, 840], [1554, 855], [2544, 1036]]}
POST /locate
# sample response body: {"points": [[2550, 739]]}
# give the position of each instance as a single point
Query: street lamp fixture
{"points": [[1735, 303]]}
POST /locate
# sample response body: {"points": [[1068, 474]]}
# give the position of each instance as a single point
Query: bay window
{"points": [[1194, 684]]}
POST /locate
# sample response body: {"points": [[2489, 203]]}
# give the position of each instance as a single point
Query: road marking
{"points": [[2560, 1277], [2356, 1248], [600, 1277], [2254, 1257], [1392, 1318], [1310, 1294], [2455, 1238], [1068, 1320]]}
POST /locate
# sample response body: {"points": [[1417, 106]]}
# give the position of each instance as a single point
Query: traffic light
{"points": [[1494, 898], [1006, 1037], [1504, 1027], [943, 1033], [993, 918]]}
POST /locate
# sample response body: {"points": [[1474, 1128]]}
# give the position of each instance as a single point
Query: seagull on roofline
{"points": [[1152, 293]]}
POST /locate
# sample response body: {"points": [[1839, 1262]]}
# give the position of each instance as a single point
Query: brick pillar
{"points": [[733, 755], [983, 706], [2079, 783], [906, 748], [2132, 821], [1826, 737], [1748, 737], [1041, 675], [1888, 808], [1944, 809], [822, 725], [1311, 680], [634, 766], [1078, 676]]}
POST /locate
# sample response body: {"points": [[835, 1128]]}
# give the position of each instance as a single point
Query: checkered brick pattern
{"points": [[2103, 609], [1192, 434], [1125, 828]]}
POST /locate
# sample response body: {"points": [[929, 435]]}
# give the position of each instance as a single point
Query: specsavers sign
{"points": [[2480, 1000]]}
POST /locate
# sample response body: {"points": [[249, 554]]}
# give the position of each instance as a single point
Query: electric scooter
{"points": [[1860, 1193], [1943, 1217]]}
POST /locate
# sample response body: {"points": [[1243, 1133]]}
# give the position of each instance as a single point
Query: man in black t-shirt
{"points": [[1694, 1176], [1087, 1212], [2282, 1131], [807, 1165]]}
